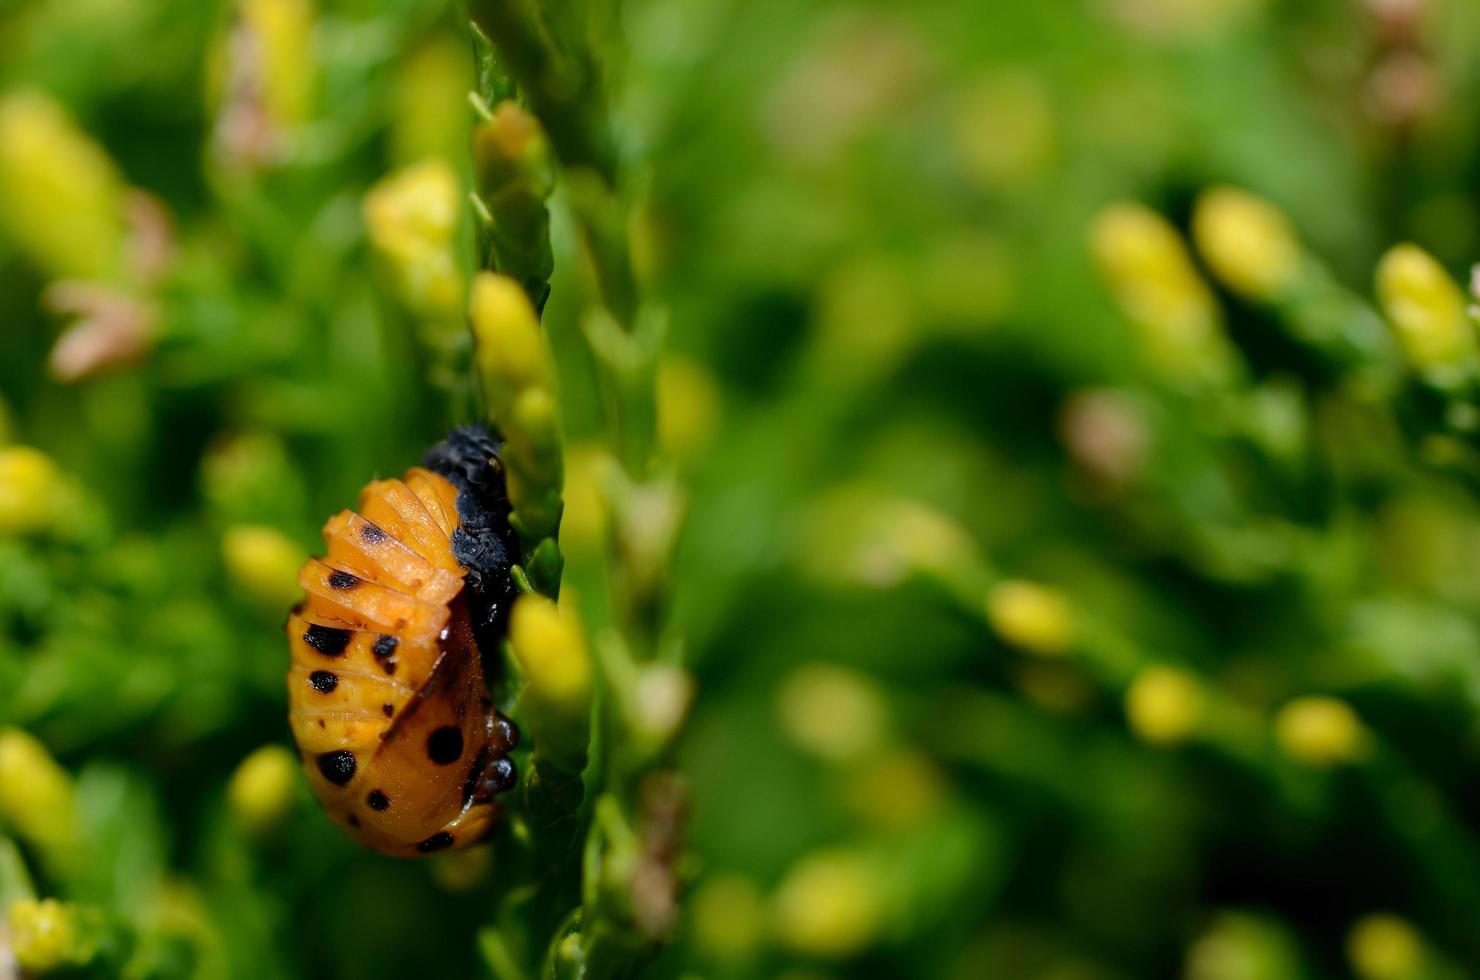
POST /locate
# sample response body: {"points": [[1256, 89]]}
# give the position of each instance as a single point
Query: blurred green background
{"points": [[1079, 571]]}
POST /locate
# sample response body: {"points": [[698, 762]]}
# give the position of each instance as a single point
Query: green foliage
{"points": [[1008, 474]]}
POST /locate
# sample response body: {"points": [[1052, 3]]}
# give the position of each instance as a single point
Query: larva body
{"points": [[387, 696]]}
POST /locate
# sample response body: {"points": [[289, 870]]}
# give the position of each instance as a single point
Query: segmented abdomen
{"points": [[387, 698]]}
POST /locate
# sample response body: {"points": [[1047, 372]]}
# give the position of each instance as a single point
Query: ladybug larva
{"points": [[387, 696]]}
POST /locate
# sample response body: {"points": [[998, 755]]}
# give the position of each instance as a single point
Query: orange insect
{"points": [[387, 696]]}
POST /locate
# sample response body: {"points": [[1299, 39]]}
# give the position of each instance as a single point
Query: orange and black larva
{"points": [[387, 696]]}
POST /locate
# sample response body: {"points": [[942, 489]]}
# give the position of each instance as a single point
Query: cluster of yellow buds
{"points": [[48, 936], [518, 374], [411, 217], [549, 646], [1152, 279]]}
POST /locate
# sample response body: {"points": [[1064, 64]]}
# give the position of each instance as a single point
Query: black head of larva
{"points": [[483, 543]]}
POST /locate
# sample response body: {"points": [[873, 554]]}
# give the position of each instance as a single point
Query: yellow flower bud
{"points": [[262, 562], [283, 32], [661, 699], [1005, 130], [1385, 947], [61, 198], [536, 420], [1164, 705], [550, 649], [898, 790], [1056, 685], [688, 406], [411, 217], [1032, 617], [728, 917], [857, 534], [1320, 731], [1248, 243], [1426, 309], [583, 523], [35, 792], [1152, 279], [832, 712], [260, 794], [46, 936], [463, 871], [830, 905], [866, 317], [428, 100], [1244, 946], [28, 490], [510, 146], [511, 346]]}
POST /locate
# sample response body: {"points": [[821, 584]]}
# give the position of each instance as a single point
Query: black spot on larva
{"points": [[378, 801], [326, 639], [323, 681], [321, 723], [501, 776], [439, 841], [445, 745], [337, 767], [384, 648], [387, 709], [343, 580], [372, 533], [506, 731], [354, 821]]}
